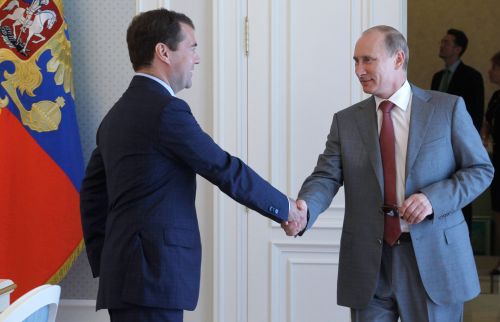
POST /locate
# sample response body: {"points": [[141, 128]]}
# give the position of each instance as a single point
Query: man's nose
{"points": [[359, 69]]}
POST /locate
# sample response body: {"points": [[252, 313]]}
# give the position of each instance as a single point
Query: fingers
{"points": [[295, 213], [292, 212], [415, 208], [290, 228], [302, 205], [297, 218]]}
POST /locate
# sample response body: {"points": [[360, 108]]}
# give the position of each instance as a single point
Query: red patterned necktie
{"points": [[392, 228]]}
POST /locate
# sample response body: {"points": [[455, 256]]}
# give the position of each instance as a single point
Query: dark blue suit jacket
{"points": [[138, 199]]}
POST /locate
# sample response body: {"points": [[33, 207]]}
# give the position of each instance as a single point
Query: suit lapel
{"points": [[421, 113], [366, 118]]}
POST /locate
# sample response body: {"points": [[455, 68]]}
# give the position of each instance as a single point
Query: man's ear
{"points": [[400, 59], [162, 52]]}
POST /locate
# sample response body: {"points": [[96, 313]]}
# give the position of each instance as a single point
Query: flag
{"points": [[41, 165]]}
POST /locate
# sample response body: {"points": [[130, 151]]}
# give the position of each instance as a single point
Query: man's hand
{"points": [[297, 218], [415, 208]]}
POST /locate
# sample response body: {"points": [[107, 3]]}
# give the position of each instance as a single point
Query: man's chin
{"points": [[367, 89]]}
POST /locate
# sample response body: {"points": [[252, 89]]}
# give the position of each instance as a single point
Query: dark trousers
{"points": [[145, 314]]}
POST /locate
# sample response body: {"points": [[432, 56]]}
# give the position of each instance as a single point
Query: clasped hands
{"points": [[297, 218]]}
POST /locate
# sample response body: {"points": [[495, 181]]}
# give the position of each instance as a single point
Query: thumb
{"points": [[301, 204]]}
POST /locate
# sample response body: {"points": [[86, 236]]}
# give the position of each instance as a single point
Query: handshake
{"points": [[297, 218]]}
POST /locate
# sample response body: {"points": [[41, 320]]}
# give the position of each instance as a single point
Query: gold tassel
{"points": [[64, 269]]}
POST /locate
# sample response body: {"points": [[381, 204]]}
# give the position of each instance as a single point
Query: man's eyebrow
{"points": [[363, 57]]}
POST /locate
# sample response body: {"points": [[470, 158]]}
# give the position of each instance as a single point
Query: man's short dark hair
{"points": [[150, 28], [461, 39]]}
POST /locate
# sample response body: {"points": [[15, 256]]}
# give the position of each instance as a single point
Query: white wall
{"points": [[101, 72]]}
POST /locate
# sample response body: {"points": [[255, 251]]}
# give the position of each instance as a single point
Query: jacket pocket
{"points": [[181, 237], [456, 233]]}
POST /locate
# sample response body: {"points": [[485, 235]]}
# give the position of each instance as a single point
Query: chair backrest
{"points": [[31, 302]]}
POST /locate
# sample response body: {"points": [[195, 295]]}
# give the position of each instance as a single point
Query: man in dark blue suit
{"points": [[138, 196]]}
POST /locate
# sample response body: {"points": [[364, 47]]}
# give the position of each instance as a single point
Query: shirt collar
{"points": [[454, 66], [401, 98], [164, 84]]}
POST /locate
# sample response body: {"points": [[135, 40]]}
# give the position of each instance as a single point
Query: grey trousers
{"points": [[401, 294]]}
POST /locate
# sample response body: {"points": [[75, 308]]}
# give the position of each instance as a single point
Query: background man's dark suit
{"points": [[140, 185], [468, 83]]}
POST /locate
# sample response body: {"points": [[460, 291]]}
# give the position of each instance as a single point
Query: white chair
{"points": [[6, 287], [42, 300]]}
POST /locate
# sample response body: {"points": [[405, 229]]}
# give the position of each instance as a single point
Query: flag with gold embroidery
{"points": [[41, 164]]}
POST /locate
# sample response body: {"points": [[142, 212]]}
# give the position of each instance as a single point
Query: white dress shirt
{"points": [[401, 121]]}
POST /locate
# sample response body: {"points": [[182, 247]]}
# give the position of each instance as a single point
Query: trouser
{"points": [[145, 314], [401, 294]]}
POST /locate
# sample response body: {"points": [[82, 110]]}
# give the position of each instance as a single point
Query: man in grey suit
{"points": [[425, 271]]}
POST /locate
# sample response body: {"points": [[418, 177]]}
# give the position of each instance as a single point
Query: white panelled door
{"points": [[274, 108], [300, 74]]}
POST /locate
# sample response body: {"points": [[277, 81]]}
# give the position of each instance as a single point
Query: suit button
{"points": [[379, 241]]}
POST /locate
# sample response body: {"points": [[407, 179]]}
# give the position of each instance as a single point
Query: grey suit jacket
{"points": [[445, 160]]}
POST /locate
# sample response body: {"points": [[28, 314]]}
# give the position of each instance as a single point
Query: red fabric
{"points": [[392, 228], [39, 207]]}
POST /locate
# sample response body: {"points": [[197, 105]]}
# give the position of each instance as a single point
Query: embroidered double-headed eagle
{"points": [[28, 30]]}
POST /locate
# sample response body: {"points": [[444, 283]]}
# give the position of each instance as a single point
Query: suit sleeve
{"points": [[181, 135], [474, 171], [93, 209], [323, 184]]}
